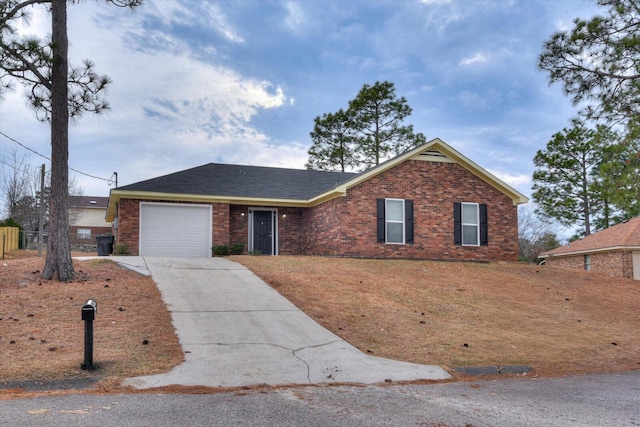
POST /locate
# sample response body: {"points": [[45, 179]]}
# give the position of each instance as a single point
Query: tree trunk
{"points": [[58, 247]]}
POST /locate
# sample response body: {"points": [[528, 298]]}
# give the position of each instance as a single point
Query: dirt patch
{"points": [[42, 334], [467, 314]]}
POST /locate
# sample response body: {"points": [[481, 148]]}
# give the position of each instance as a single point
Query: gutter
{"points": [[591, 251]]}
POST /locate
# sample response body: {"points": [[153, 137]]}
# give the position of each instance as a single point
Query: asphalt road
{"points": [[590, 400]]}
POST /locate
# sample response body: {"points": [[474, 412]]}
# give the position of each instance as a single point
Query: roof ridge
{"points": [[270, 167]]}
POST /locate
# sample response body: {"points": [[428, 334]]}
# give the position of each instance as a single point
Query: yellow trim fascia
{"points": [[517, 197], [436, 143], [339, 191], [116, 195], [592, 251]]}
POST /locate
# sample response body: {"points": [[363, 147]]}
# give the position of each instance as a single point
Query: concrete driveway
{"points": [[237, 331]]}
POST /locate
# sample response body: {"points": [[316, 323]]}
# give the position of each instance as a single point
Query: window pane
{"points": [[395, 210], [394, 232], [469, 213], [469, 235]]}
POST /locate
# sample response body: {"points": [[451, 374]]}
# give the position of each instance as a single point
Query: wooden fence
{"points": [[9, 239]]}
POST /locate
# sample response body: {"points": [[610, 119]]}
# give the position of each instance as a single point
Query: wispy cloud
{"points": [[476, 58]]}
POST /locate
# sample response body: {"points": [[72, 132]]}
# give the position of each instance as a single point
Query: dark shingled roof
{"points": [[215, 179]]}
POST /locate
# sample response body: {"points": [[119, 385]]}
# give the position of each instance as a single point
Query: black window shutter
{"points": [[380, 218], [484, 227], [408, 221], [457, 223]]}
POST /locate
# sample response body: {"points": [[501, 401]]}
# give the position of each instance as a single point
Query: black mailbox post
{"points": [[89, 311]]}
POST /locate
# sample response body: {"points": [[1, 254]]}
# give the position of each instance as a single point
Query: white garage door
{"points": [[175, 230]]}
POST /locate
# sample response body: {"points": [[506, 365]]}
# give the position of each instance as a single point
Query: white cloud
{"points": [[476, 58], [295, 17], [207, 14], [514, 180]]}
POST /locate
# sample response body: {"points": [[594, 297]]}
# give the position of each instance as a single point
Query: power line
{"points": [[45, 157]]}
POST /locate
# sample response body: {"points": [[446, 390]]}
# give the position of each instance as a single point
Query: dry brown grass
{"points": [[42, 334], [467, 314], [556, 321]]}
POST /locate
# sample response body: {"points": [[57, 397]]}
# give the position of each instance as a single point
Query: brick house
{"points": [[428, 203], [614, 251], [87, 219]]}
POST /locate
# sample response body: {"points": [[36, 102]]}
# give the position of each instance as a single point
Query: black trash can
{"points": [[105, 245]]}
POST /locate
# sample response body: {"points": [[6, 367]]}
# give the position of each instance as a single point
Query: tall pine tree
{"points": [[333, 143], [378, 117], [369, 132], [566, 174], [56, 92]]}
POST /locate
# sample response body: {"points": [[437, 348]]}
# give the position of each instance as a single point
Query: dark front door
{"points": [[263, 232]]}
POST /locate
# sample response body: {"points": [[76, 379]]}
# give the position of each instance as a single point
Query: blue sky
{"points": [[241, 82]]}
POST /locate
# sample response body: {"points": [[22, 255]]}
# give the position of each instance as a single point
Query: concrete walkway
{"points": [[237, 331]]}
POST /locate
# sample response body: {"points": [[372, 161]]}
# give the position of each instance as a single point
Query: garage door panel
{"points": [[175, 230]]}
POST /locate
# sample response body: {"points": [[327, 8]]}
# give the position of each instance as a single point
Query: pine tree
{"points": [[56, 93], [333, 143], [369, 132]]}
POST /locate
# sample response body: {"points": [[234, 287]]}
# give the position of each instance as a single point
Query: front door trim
{"points": [[274, 227]]}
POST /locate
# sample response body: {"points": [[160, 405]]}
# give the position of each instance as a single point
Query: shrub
{"points": [[221, 250], [236, 249], [121, 249]]}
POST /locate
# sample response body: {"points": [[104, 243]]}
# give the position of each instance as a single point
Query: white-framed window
{"points": [[84, 233], [587, 262], [470, 224], [394, 221]]}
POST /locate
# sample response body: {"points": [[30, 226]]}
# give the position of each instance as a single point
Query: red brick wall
{"points": [[616, 264], [347, 226], [239, 225], [221, 224], [291, 231], [129, 223], [128, 232]]}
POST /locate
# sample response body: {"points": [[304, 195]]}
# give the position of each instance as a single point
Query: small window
{"points": [[394, 220], [587, 262], [84, 233], [470, 224]]}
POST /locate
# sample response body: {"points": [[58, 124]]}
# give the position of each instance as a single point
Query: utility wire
{"points": [[43, 156]]}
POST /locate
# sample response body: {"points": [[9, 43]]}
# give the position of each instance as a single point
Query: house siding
{"points": [[615, 263], [238, 225], [128, 231], [347, 226], [221, 227]]}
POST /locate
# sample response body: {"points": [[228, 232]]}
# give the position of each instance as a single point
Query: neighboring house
{"points": [[87, 219], [614, 251], [428, 203]]}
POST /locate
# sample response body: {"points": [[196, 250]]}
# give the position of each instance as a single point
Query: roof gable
{"points": [[285, 187], [438, 150], [625, 235]]}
